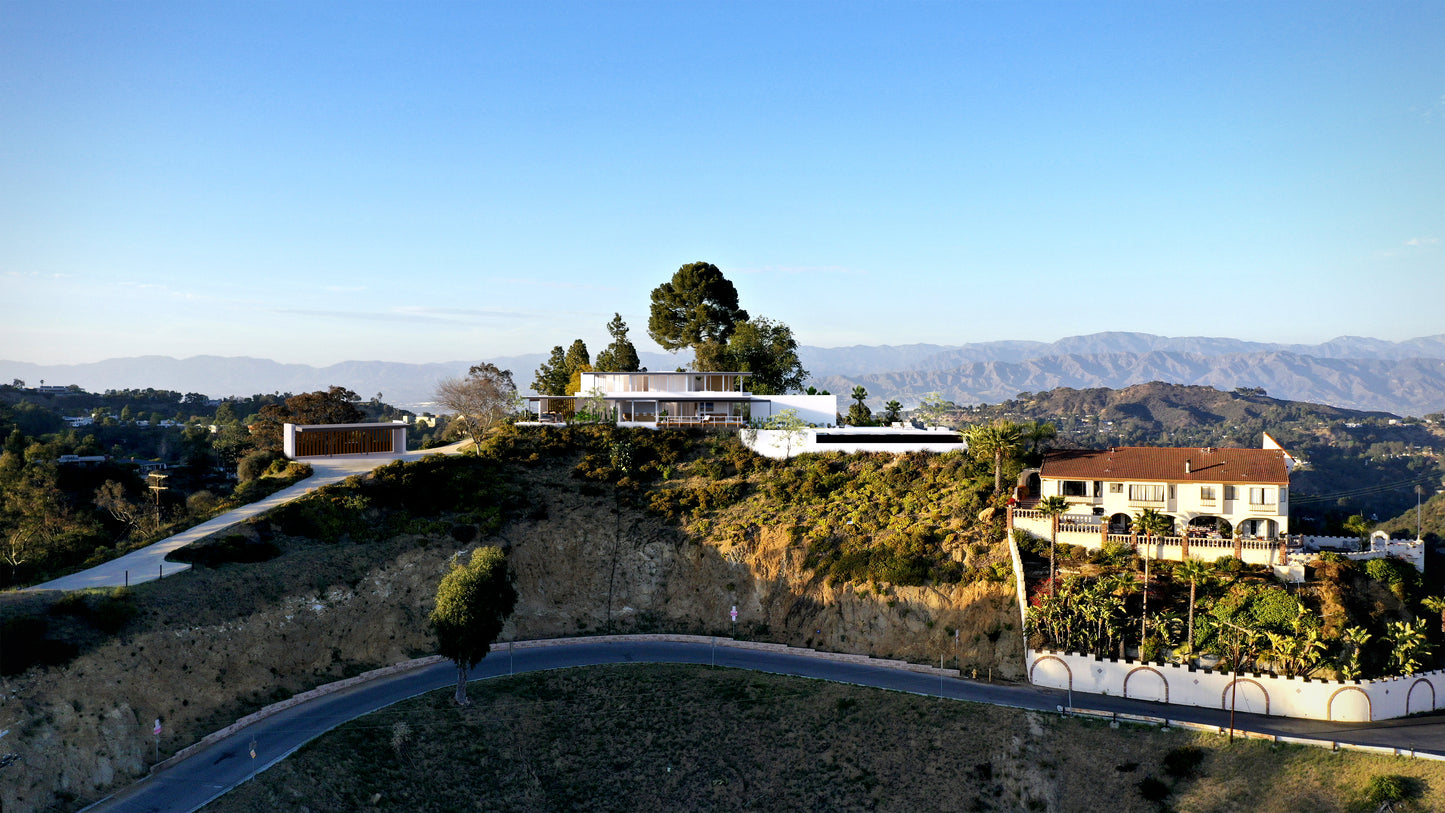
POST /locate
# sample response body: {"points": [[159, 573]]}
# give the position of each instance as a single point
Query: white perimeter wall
{"points": [[1340, 701], [772, 443], [821, 410]]}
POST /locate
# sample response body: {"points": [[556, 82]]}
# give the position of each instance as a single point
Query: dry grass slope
{"points": [[634, 737]]}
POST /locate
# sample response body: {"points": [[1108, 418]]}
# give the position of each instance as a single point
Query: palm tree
{"points": [[1053, 507], [1035, 433], [1436, 604], [1197, 573], [1151, 524], [891, 411], [1361, 527], [859, 414], [999, 440]]}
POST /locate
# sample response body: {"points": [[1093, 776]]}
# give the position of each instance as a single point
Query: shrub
{"points": [[1229, 564], [256, 464], [1390, 788], [1391, 571], [1184, 762], [202, 504]]}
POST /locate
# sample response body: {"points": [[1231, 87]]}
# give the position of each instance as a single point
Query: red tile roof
{"points": [[1156, 464]]}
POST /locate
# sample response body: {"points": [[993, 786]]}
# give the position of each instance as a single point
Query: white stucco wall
{"points": [[1183, 501], [773, 443], [1339, 701], [821, 410]]}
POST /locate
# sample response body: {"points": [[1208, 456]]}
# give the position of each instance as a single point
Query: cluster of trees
{"points": [[54, 517], [859, 414], [697, 310]]}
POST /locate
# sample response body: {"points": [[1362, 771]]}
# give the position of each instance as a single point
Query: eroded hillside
{"points": [[607, 531]]}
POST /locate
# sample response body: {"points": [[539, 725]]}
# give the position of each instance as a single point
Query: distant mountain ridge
{"points": [[1404, 378], [1414, 386], [861, 360]]}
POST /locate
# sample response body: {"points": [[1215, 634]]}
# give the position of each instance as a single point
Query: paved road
{"points": [[149, 563], [190, 784]]}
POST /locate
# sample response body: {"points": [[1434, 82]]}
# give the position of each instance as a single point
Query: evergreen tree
{"points": [[859, 414], [551, 377], [620, 356], [698, 305]]}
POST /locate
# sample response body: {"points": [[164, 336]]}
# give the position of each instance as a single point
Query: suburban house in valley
{"points": [[697, 399], [1221, 501]]}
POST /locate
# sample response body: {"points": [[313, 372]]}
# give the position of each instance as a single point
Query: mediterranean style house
{"points": [[1221, 501], [698, 399]]}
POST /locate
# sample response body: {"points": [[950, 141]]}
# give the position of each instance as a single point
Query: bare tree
{"points": [[480, 400]]}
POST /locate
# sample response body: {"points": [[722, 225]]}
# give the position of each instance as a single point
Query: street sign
{"points": [[157, 730], [735, 613]]}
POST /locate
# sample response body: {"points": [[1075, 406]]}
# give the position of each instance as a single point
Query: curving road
{"points": [[211, 771], [149, 563]]}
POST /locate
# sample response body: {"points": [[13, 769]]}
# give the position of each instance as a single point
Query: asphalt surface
{"points": [[209, 773], [149, 563]]}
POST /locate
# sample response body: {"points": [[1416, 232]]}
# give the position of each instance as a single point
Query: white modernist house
{"points": [[697, 399], [1221, 501]]}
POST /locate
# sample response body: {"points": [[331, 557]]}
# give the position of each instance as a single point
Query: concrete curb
{"points": [[295, 700], [507, 646], [1331, 745]]}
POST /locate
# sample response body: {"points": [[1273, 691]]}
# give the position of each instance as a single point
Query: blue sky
{"points": [[315, 182]]}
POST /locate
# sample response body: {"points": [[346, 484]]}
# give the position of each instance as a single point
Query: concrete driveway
{"points": [[150, 563]]}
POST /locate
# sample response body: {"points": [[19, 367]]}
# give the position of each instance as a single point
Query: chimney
{"points": [[1186, 467]]}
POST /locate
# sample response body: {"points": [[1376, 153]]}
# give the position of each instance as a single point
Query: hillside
{"points": [[624, 531]]}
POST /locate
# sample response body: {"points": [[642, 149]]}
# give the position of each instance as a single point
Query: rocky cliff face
{"points": [[583, 566]]}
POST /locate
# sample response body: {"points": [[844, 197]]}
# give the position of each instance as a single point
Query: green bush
{"points": [[256, 464], [1391, 788]]}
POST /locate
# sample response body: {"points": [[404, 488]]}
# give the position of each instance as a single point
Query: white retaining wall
{"points": [[771, 442], [1338, 701]]}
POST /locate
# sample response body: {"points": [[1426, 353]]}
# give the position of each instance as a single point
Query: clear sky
{"points": [[315, 182]]}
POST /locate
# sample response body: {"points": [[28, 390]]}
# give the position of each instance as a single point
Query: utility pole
{"points": [[156, 482], [1419, 492]]}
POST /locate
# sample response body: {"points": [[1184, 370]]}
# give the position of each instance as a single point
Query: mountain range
{"points": [[1404, 378]]}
